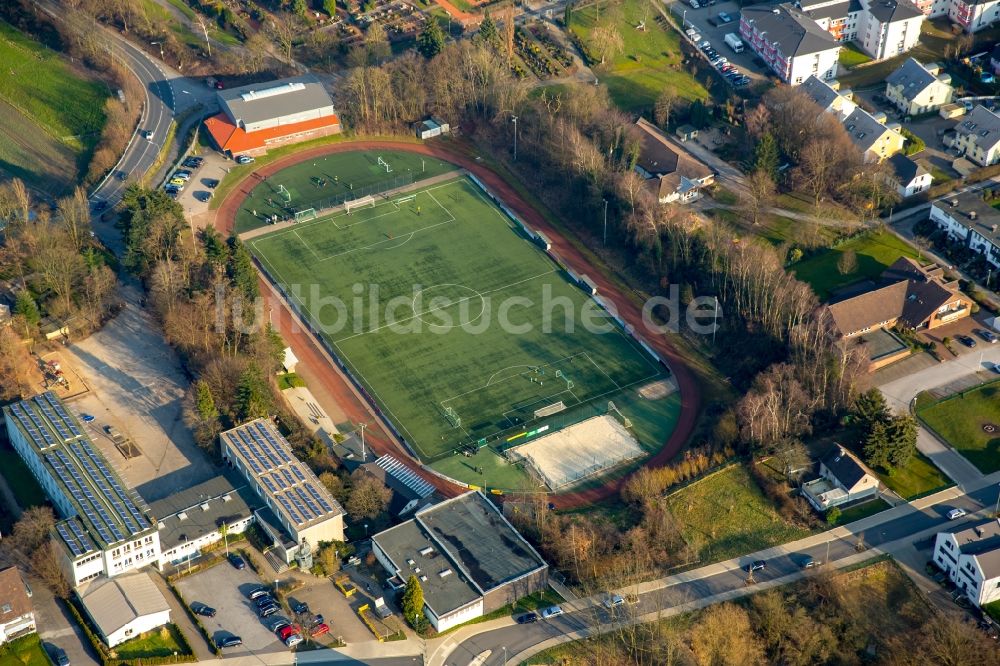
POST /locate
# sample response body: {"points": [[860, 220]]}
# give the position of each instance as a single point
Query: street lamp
{"points": [[160, 44], [605, 222], [513, 119], [504, 655]]}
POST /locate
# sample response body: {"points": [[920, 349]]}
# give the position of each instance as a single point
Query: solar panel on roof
{"points": [[61, 411], [74, 547], [293, 495], [41, 429], [308, 501], [298, 472], [77, 531], [405, 475], [269, 484], [289, 509], [319, 498], [54, 420], [124, 504]]}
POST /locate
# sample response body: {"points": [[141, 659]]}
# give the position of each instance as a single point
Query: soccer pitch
{"points": [[457, 325]]}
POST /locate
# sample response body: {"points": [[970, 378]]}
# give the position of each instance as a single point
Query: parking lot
{"points": [[699, 19], [225, 589], [337, 610], [137, 387], [196, 195]]}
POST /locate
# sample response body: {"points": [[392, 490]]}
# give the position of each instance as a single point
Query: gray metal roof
{"points": [[114, 602], [204, 507], [273, 99], [982, 541], [110, 511], [794, 31], [913, 76], [986, 215]]}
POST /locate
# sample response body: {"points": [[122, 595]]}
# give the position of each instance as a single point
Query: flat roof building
{"points": [[261, 115], [107, 528], [301, 504], [469, 559]]}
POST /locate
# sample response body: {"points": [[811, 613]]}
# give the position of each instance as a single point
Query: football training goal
{"points": [[359, 202], [305, 215]]}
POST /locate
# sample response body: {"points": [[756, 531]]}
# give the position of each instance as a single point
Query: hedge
{"points": [[196, 620]]}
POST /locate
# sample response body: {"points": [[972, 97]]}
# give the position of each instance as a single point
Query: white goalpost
{"points": [[359, 202], [382, 162], [305, 215], [285, 194]]}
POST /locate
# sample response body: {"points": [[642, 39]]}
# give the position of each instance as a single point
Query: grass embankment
{"points": [[875, 252], [962, 420]]}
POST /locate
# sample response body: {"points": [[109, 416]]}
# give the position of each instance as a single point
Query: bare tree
{"points": [[760, 191], [606, 41], [283, 28]]}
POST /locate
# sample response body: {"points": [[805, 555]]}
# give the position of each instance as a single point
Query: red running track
{"points": [[323, 368]]}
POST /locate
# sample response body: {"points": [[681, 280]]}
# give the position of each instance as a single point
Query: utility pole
{"points": [[364, 457], [715, 323], [160, 44], [513, 119], [605, 222]]}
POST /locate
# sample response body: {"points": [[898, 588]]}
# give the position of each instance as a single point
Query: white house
{"points": [[978, 136], [974, 15], [907, 176], [673, 174], [915, 88], [842, 478], [882, 28], [17, 618], [970, 219], [793, 45], [124, 607], [971, 558]]}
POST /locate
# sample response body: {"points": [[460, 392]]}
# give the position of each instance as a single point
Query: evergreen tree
{"points": [[413, 602], [877, 447], [252, 395], [488, 29], [240, 270], [902, 434], [766, 155], [430, 42], [24, 305], [870, 407], [205, 401], [215, 248]]}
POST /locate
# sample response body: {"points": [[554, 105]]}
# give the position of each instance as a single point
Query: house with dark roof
{"points": [[843, 478], [260, 116], [973, 15], [977, 136], [973, 219], [915, 88], [17, 616], [792, 44], [874, 138], [971, 558], [469, 559], [907, 176], [673, 174]]}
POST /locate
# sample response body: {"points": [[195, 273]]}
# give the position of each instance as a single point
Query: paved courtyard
{"points": [[137, 387]]}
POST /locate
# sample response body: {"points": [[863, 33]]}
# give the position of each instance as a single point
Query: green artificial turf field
{"points": [[329, 181], [457, 325]]}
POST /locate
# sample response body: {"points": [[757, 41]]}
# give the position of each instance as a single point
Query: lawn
{"points": [[162, 642], [650, 61], [19, 478], [859, 511], [875, 252], [960, 419], [24, 651], [437, 341], [344, 176], [726, 514], [919, 478], [852, 56], [52, 114]]}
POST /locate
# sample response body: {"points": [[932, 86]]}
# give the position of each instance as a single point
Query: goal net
{"points": [[285, 194], [359, 202], [305, 215]]}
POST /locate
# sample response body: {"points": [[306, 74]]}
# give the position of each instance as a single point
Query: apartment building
{"points": [[792, 44], [970, 219], [882, 28], [977, 136], [876, 139]]}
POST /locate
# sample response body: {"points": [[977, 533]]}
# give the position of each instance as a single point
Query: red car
{"points": [[285, 632], [320, 629]]}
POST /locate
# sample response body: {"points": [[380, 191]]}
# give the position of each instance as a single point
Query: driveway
{"points": [[57, 628], [338, 611], [225, 589], [138, 387]]}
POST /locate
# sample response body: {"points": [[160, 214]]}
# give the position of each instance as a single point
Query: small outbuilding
{"points": [[430, 128], [124, 607], [686, 132]]}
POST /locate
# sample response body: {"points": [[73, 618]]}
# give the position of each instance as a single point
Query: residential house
{"points": [[673, 174], [873, 137], [125, 607], [17, 617], [972, 219], [917, 297], [977, 136], [842, 478], [971, 558], [915, 88], [974, 15], [908, 177], [469, 559], [790, 42], [882, 28]]}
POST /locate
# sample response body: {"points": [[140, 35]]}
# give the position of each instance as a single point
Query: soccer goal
{"points": [[305, 215], [359, 202], [407, 199], [382, 162], [285, 194]]}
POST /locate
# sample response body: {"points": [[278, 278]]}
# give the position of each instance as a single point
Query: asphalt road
{"points": [[517, 638]]}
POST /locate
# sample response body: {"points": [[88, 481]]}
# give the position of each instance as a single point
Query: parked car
{"points": [[551, 611], [179, 182], [285, 632], [229, 641], [966, 340], [258, 592], [300, 607], [613, 601], [705, 44], [986, 335], [183, 175], [87, 418], [280, 625], [244, 159], [756, 565], [725, 18], [293, 640], [319, 629], [211, 183], [696, 37], [268, 611], [264, 600], [203, 609], [955, 514], [237, 561], [526, 618]]}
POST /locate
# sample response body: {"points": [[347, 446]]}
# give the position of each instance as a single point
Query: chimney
{"points": [[954, 203], [979, 531], [973, 215], [994, 228]]}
